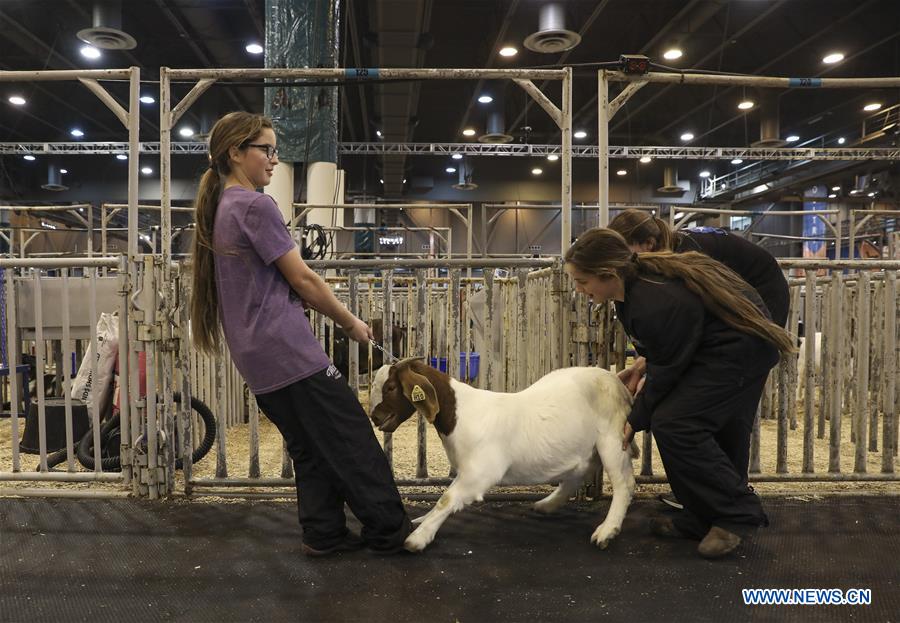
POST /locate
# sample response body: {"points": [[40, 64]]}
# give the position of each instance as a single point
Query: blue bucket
{"points": [[474, 364]]}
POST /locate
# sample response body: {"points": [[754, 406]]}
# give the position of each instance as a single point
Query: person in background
{"points": [[251, 286], [709, 348], [644, 232]]}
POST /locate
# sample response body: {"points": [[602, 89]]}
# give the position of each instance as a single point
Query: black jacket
{"points": [[672, 328], [754, 264]]}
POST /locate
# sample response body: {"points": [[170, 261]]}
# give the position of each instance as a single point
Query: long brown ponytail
{"points": [[604, 252], [638, 227], [233, 130]]}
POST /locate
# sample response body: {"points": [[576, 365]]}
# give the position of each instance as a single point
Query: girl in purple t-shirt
{"points": [[249, 280]]}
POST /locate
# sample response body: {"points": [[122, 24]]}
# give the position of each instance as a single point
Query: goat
{"points": [[556, 430]]}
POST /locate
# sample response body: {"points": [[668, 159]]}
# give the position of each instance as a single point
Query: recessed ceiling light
{"points": [[645, 159], [745, 105], [835, 188], [737, 161], [621, 172], [29, 157], [842, 140], [508, 51], [404, 180], [76, 132], [832, 196], [89, 51], [580, 134], [121, 157], [872, 106], [793, 138], [536, 171], [378, 133], [456, 156], [705, 173], [672, 54], [469, 132], [186, 132], [146, 170], [254, 48], [834, 57], [450, 170], [382, 181], [871, 194], [146, 99], [17, 100], [485, 99], [552, 157], [63, 171], [687, 136]]}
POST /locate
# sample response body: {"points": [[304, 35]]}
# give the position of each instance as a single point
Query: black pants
{"points": [[702, 430], [336, 459]]}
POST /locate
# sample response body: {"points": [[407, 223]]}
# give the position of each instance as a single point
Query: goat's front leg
{"points": [[461, 492]]}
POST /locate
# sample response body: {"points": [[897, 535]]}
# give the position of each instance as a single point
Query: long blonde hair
{"points": [[604, 252], [235, 129], [638, 227]]}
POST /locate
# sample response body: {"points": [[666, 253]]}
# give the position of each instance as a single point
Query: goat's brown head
{"points": [[400, 390]]}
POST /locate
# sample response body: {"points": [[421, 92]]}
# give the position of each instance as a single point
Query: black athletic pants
{"points": [[702, 429], [336, 459]]}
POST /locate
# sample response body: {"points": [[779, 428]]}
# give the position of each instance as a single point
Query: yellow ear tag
{"points": [[417, 394]]}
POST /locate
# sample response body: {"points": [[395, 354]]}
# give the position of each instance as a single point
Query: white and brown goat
{"points": [[553, 431]]}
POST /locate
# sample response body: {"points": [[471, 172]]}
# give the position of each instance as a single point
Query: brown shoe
{"points": [[663, 526], [718, 542], [350, 543]]}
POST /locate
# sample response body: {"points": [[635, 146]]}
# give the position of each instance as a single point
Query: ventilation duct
{"points": [[465, 177], [54, 180], [496, 129], [670, 181], [107, 32], [769, 125], [552, 36]]}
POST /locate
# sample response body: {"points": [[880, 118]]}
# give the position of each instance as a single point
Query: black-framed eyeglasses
{"points": [[271, 150]]}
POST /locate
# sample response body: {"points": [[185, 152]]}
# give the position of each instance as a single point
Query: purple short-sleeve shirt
{"points": [[268, 334]]}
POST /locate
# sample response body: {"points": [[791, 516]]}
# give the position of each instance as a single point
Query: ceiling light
{"points": [[254, 48], [580, 134], [552, 157], [450, 170], [745, 105], [645, 159], [621, 172], [382, 181], [121, 157], [737, 161], [672, 54], [832, 196], [17, 100], [835, 188], [404, 180], [456, 156], [687, 136], [761, 188], [378, 133], [469, 132], [793, 138], [76, 132], [842, 140], [89, 51], [146, 170], [29, 157], [536, 171], [855, 191], [508, 51], [485, 99], [63, 171], [705, 173], [871, 194], [834, 57], [872, 106], [186, 132], [146, 99]]}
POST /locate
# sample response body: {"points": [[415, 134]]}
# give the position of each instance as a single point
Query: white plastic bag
{"points": [[83, 387]]}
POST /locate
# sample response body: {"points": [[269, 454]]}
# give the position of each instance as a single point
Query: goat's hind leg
{"points": [[621, 474], [559, 497]]}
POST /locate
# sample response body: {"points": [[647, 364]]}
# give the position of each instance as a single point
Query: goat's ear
{"points": [[419, 391]]}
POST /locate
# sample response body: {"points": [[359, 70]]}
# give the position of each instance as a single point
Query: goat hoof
{"points": [[416, 542], [545, 508], [602, 537]]}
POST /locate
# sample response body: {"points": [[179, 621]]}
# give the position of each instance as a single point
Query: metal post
{"points": [[566, 169], [603, 145]]}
